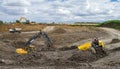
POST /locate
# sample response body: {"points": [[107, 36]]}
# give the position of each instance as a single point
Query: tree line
{"points": [[111, 23], [18, 21]]}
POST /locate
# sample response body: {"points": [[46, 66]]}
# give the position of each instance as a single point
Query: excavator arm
{"points": [[40, 34], [47, 39], [29, 48]]}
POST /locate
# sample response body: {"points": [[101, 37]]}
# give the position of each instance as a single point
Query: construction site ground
{"points": [[64, 53]]}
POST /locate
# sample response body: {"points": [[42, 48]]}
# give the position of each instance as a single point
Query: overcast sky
{"points": [[60, 10]]}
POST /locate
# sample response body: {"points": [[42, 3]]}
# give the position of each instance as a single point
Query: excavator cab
{"points": [[30, 48]]}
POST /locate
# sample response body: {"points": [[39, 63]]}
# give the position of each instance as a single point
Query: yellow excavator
{"points": [[23, 18], [96, 47], [29, 48], [18, 24]]}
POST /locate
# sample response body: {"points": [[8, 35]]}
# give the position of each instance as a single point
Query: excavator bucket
{"points": [[85, 46], [21, 51]]}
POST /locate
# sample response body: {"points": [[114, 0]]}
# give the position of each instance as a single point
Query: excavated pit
{"points": [[62, 54]]}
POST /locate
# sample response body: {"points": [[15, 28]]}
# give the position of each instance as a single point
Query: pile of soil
{"points": [[30, 59], [58, 31], [18, 44], [114, 41], [53, 29], [7, 48], [10, 36], [85, 56], [68, 48], [49, 28]]}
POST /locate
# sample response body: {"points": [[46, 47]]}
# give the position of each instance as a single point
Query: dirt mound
{"points": [[6, 47], [49, 28], [58, 31], [114, 41], [29, 59], [68, 48], [10, 36], [53, 29], [116, 49], [18, 44], [84, 56]]}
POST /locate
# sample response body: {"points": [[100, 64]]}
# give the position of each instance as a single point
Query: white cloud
{"points": [[62, 10], [15, 7], [16, 3]]}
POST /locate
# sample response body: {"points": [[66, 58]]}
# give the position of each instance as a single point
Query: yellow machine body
{"points": [[84, 46], [87, 45], [101, 43], [26, 50], [21, 51]]}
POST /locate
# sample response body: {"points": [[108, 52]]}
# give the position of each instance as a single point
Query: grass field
{"points": [[6, 27], [36, 27]]}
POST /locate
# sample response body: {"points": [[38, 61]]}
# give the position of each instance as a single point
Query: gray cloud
{"points": [[16, 3], [15, 11], [62, 10], [15, 7]]}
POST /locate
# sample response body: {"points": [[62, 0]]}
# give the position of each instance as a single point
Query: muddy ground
{"points": [[63, 54]]}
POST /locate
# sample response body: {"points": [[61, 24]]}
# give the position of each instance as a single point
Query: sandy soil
{"points": [[63, 54]]}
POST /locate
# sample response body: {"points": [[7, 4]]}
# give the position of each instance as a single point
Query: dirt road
{"points": [[113, 34]]}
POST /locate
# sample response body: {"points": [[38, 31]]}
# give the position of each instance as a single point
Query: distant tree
{"points": [[27, 22], [1, 22], [17, 21], [33, 22], [78, 22], [53, 23]]}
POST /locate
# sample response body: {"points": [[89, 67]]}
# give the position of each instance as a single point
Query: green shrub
{"points": [[117, 27], [17, 21], [111, 23], [1, 22]]}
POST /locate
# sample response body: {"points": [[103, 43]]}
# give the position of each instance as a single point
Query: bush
{"points": [[117, 27], [17, 21], [111, 23], [1, 22]]}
